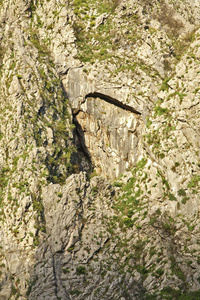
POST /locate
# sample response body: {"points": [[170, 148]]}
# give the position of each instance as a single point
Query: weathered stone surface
{"points": [[78, 85], [109, 135], [131, 74]]}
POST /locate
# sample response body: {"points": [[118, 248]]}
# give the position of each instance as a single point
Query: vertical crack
{"points": [[55, 276]]}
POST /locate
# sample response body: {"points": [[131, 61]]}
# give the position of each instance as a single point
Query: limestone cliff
{"points": [[99, 149]]}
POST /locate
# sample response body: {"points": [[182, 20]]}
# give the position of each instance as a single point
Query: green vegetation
{"points": [[148, 122], [88, 52], [184, 200], [42, 48], [160, 111], [180, 46], [75, 292], [100, 41], [31, 284], [130, 199], [194, 181], [182, 192], [81, 270], [165, 86], [172, 197], [94, 190], [158, 138], [2, 52], [128, 222], [65, 270], [54, 99], [168, 293]]}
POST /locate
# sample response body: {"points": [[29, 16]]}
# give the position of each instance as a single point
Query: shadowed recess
{"points": [[112, 101]]}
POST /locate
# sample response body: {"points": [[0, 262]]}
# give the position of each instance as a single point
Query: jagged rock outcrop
{"points": [[130, 70], [110, 135]]}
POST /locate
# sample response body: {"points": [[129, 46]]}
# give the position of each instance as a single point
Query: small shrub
{"points": [[159, 111], [141, 163], [128, 222], [75, 292], [71, 248], [184, 200], [117, 184], [194, 181], [172, 197], [182, 192], [148, 122], [165, 86], [141, 269], [65, 270], [13, 290], [94, 190], [81, 270], [159, 272]]}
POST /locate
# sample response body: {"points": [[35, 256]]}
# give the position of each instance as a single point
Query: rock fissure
{"points": [[113, 101], [55, 275]]}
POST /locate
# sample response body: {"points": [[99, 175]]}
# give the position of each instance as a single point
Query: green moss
{"points": [[39, 22], [181, 96], [190, 296], [169, 293]]}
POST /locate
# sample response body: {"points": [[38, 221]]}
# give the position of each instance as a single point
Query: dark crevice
{"points": [[81, 157], [55, 276], [113, 101], [80, 139]]}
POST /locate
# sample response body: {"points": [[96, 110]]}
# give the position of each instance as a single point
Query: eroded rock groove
{"points": [[113, 101]]}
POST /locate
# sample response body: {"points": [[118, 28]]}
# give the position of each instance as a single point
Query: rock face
{"points": [[99, 149], [107, 119], [110, 136]]}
